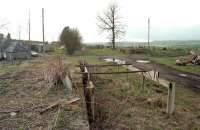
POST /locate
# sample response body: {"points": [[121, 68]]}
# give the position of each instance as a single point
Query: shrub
{"points": [[71, 39]]}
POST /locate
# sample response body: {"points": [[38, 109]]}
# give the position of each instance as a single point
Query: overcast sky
{"points": [[170, 19]]}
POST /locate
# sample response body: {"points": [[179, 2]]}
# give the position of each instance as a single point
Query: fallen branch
{"points": [[9, 111], [59, 103]]}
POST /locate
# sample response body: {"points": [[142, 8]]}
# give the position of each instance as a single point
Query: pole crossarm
{"points": [[122, 72], [102, 65]]}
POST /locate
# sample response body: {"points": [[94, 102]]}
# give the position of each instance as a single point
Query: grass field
{"points": [[168, 55], [128, 106], [120, 102], [170, 61]]}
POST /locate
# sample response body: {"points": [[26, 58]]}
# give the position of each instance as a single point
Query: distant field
{"points": [[177, 44]]}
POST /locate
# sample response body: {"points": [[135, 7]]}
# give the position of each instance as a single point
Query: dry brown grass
{"points": [[54, 72]]}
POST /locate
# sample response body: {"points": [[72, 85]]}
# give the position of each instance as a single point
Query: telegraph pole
{"points": [[43, 28], [29, 27], [19, 32], [148, 31]]}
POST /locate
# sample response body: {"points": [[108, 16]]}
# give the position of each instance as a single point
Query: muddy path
{"points": [[187, 79]]}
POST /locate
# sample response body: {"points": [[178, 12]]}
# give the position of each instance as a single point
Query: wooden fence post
{"points": [[117, 67], [143, 78], [158, 76], [127, 75], [88, 88], [90, 94], [171, 98]]}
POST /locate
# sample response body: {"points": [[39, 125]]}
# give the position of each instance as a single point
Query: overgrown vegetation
{"points": [[122, 103], [25, 93]]}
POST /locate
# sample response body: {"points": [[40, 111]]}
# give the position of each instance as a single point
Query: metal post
{"points": [[171, 99]]}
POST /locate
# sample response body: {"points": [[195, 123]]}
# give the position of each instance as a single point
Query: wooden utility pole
{"points": [[19, 32], [148, 31], [29, 26], [43, 28]]}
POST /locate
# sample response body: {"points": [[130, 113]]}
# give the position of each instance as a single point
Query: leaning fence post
{"points": [[171, 98]]}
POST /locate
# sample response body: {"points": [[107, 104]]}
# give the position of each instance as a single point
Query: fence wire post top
{"points": [[91, 85]]}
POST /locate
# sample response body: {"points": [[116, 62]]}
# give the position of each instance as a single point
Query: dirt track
{"points": [[185, 78]]}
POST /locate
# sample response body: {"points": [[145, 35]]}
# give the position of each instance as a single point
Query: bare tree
{"points": [[110, 22], [3, 25]]}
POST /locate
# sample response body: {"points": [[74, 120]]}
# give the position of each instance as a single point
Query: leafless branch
{"points": [[3, 25]]}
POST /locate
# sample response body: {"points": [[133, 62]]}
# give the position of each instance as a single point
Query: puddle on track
{"points": [[183, 75], [143, 61], [152, 75]]}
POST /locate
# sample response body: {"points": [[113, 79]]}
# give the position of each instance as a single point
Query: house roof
{"points": [[4, 44], [17, 46]]}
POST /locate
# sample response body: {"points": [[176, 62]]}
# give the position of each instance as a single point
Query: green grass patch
{"points": [[4, 69], [60, 124], [91, 55], [169, 52]]}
